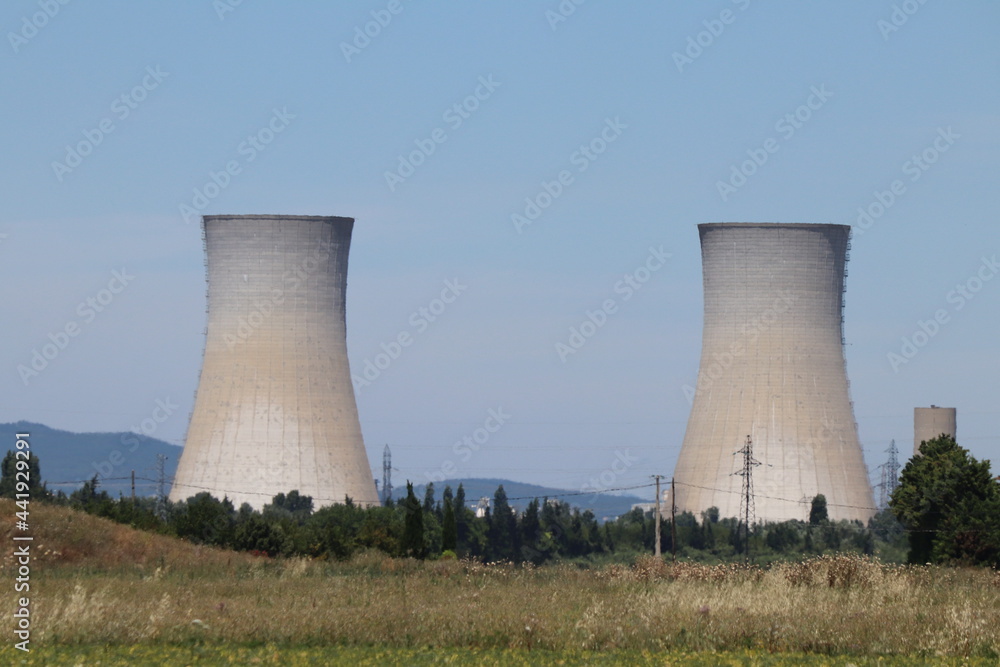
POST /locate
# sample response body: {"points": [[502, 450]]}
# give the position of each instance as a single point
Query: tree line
{"points": [[946, 509]]}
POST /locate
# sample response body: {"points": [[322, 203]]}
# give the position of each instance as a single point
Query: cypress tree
{"points": [[449, 531], [413, 525]]}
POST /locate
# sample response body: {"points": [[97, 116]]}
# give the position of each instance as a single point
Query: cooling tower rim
{"points": [[769, 225], [268, 216]]}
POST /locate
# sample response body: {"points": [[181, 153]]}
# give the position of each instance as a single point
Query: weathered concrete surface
{"points": [[772, 367], [929, 423], [275, 407]]}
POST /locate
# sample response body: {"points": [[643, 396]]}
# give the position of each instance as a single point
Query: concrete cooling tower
{"points": [[773, 368], [929, 423], [275, 409]]}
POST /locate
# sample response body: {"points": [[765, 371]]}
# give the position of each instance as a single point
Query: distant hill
{"points": [[604, 506], [69, 459]]}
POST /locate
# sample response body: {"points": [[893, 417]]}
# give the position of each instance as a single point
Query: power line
{"points": [[586, 493], [787, 500], [557, 495], [158, 484]]}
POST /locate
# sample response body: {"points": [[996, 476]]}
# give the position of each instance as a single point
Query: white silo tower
{"points": [[929, 423]]}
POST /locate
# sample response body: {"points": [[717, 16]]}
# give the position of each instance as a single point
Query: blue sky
{"points": [[670, 98]]}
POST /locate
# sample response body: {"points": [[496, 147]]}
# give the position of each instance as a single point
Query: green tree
{"points": [[30, 473], [503, 528], [92, 501], [688, 531], [531, 531], [709, 519], [333, 530], [808, 545], [449, 530], [781, 537], [139, 513], [433, 518], [885, 527], [256, 534], [429, 498], [950, 504], [382, 529], [206, 520], [590, 533], [299, 506], [556, 520], [413, 525], [461, 522], [818, 513]]}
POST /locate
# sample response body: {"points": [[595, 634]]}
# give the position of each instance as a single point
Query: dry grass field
{"points": [[98, 584]]}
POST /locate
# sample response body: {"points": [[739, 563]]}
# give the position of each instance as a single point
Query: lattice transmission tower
{"points": [[386, 475], [746, 496], [889, 477]]}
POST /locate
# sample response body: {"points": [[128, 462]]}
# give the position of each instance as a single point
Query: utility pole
{"points": [[746, 497], [656, 548], [673, 522], [133, 487], [161, 487]]}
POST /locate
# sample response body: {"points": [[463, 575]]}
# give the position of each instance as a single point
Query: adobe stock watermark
{"points": [[454, 116], [87, 310], [291, 281], [469, 444], [22, 553], [130, 441], [121, 108], [959, 298], [252, 146], [786, 127], [900, 15], [753, 329], [364, 34], [915, 167], [696, 44], [31, 25], [223, 7], [608, 478], [562, 12], [420, 320], [581, 158], [626, 288]]}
